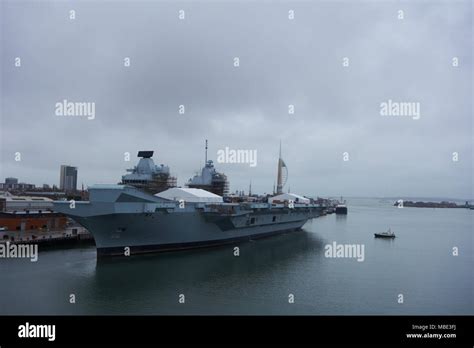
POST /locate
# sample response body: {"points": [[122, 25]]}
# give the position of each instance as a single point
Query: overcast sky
{"points": [[190, 62]]}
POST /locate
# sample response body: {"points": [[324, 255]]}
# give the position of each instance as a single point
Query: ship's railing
{"points": [[225, 209], [257, 205], [234, 208]]}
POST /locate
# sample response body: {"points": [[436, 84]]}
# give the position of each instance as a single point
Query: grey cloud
{"points": [[282, 62]]}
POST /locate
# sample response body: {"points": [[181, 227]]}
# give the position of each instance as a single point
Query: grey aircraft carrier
{"points": [[125, 219]]}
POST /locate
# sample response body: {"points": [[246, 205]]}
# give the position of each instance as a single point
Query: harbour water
{"points": [[419, 264]]}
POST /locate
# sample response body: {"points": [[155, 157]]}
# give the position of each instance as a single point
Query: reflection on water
{"points": [[202, 272], [216, 260]]}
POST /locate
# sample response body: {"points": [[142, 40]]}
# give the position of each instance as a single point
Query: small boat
{"points": [[388, 234], [341, 208]]}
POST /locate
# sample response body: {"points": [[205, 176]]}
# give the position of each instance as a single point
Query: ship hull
{"points": [[128, 233], [157, 248]]}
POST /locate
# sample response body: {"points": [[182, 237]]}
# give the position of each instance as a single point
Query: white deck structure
{"points": [[285, 197], [190, 195]]}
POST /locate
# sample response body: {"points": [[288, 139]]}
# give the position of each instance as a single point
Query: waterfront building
{"points": [[26, 213], [68, 178], [12, 184]]}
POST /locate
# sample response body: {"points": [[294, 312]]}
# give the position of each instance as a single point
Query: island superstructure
{"points": [[210, 179], [128, 219], [146, 175]]}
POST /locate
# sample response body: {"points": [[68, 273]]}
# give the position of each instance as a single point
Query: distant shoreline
{"points": [[405, 198], [443, 204]]}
